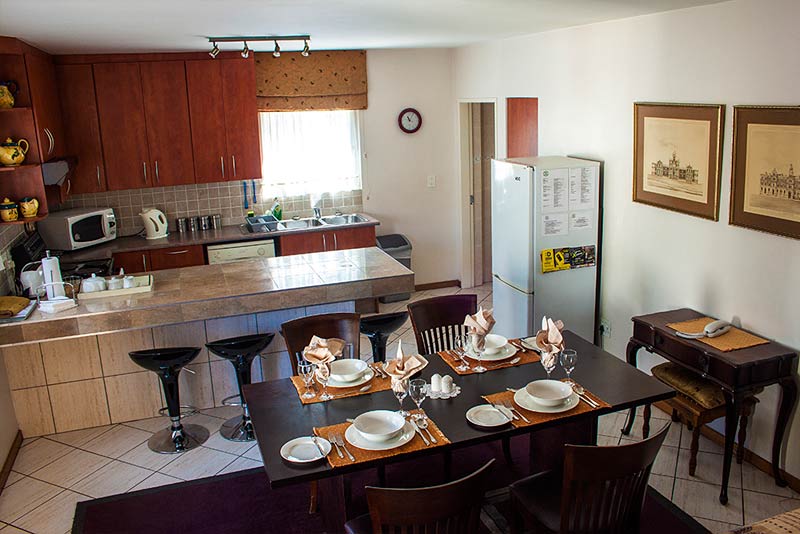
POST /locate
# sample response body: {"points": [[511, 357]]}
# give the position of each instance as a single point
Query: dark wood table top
{"points": [[278, 415]]}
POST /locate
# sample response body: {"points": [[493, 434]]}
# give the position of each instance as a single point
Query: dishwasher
{"points": [[243, 251]]}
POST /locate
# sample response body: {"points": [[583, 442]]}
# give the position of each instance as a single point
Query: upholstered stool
{"points": [[240, 351], [698, 402], [378, 328], [167, 363]]}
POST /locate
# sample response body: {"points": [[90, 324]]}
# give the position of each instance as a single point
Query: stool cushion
{"points": [[702, 391], [385, 323], [540, 496]]}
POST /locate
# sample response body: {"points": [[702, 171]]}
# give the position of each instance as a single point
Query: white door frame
{"points": [[464, 126]]}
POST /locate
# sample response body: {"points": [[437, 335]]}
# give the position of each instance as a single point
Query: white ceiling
{"points": [[105, 26]]}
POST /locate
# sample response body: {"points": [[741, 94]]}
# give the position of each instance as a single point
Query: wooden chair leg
{"points": [[646, 422], [675, 417], [313, 490], [693, 450], [507, 450]]}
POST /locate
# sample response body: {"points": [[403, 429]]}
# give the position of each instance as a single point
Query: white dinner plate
{"points": [[505, 352], [530, 344], [355, 439], [366, 377], [302, 450], [487, 416], [524, 400]]}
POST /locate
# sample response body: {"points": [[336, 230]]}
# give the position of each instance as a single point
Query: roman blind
{"points": [[326, 80]]}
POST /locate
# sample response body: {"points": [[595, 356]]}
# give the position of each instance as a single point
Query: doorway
{"points": [[478, 142]]}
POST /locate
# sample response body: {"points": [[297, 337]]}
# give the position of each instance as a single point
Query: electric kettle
{"points": [[155, 223]]}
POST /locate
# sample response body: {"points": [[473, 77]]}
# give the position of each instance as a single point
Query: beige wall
{"points": [[587, 78], [397, 165]]}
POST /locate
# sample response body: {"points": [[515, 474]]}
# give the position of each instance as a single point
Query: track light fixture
{"points": [[259, 38]]}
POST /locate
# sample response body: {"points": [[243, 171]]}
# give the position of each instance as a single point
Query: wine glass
{"points": [[549, 362], [306, 370], [568, 360], [400, 389], [417, 390], [323, 375], [461, 351], [479, 350]]}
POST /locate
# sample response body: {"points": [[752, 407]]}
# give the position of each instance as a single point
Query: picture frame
{"points": [[765, 189], [677, 156]]}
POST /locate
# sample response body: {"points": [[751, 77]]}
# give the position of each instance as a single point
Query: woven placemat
{"points": [[780, 524], [536, 418], [378, 384], [525, 357], [362, 455], [733, 339]]}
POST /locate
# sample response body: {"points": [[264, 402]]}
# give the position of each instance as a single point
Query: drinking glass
{"points": [[347, 351], [417, 391], [568, 360], [479, 352], [400, 389], [322, 378], [461, 350], [306, 370], [549, 362]]}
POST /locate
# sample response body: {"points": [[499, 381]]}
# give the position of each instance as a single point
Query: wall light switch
{"points": [[431, 181]]}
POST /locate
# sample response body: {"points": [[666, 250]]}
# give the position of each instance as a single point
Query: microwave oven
{"points": [[78, 228]]}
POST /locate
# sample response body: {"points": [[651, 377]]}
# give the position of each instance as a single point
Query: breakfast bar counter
{"points": [[71, 370]]}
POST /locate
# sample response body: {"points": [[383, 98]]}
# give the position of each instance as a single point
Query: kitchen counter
{"points": [[226, 234], [224, 290]]}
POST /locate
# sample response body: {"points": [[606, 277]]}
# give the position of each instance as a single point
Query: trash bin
{"points": [[399, 247]]}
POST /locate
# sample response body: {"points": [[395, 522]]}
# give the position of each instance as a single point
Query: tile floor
{"points": [[53, 473]]}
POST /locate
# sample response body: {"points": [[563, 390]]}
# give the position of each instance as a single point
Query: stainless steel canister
{"points": [[181, 224], [216, 221], [205, 222], [194, 224]]}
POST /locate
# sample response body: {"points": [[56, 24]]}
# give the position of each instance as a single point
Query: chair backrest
{"points": [[604, 487], [438, 320], [452, 508], [298, 332]]}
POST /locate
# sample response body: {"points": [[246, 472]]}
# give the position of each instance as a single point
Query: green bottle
{"points": [[276, 210]]}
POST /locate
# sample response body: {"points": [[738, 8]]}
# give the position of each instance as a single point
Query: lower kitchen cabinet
{"points": [[343, 239], [133, 262], [157, 259], [348, 238]]}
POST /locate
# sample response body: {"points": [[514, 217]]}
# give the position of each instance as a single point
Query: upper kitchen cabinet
{"points": [[46, 107], [241, 117], [122, 125], [169, 136], [82, 127]]}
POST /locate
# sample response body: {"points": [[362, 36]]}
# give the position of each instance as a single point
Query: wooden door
{"points": [[122, 125], [81, 127], [166, 109], [46, 106], [174, 257], [522, 127], [302, 243], [241, 118], [207, 116], [348, 238], [133, 262]]}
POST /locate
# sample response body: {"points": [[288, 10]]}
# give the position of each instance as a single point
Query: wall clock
{"points": [[409, 120]]}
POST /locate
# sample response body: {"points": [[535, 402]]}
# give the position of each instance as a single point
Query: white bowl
{"points": [[347, 370], [549, 392], [379, 425], [494, 343]]}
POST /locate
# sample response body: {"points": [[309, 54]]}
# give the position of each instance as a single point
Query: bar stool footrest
{"points": [[186, 410]]}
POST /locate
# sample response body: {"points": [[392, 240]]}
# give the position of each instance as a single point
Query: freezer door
{"points": [[513, 310], [512, 224]]}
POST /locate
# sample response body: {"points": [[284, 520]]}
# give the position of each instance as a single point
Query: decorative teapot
{"points": [[29, 207], [8, 90], [13, 153]]}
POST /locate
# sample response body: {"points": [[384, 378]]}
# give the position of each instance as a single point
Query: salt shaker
{"points": [[436, 383], [447, 384]]}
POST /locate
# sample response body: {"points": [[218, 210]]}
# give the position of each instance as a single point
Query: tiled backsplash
{"points": [[226, 198]]}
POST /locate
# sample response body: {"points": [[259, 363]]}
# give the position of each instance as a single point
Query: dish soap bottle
{"points": [[276, 209]]}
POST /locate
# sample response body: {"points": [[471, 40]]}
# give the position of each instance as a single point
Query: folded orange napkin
{"points": [[550, 340], [404, 365], [321, 352], [478, 326]]}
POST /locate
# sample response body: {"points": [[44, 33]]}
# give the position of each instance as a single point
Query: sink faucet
{"points": [[317, 212]]}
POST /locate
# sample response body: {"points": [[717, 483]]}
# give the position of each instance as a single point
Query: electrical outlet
{"points": [[431, 182], [605, 327]]}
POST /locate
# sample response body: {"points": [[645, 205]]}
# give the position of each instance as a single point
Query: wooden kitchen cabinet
{"points": [[174, 257], [166, 110], [82, 127], [46, 105], [133, 262], [241, 118], [207, 116], [325, 241], [122, 125], [360, 237], [302, 243]]}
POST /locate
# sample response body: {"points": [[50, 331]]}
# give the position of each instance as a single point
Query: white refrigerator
{"points": [[545, 234]]}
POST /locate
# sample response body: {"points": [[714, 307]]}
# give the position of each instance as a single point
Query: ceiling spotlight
{"points": [[214, 51], [277, 52], [245, 51], [304, 53]]}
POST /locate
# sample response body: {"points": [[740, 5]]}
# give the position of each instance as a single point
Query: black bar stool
{"points": [[167, 363], [240, 351], [378, 328]]}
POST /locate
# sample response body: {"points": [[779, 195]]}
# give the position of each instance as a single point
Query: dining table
{"points": [[279, 416]]}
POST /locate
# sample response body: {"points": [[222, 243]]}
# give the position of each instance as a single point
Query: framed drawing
{"points": [[765, 189], [677, 156]]}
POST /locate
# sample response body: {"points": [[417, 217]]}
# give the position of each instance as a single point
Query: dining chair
{"points": [[298, 332], [452, 508], [601, 490], [438, 320]]}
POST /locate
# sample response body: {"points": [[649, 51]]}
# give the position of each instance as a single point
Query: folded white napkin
{"points": [[550, 340], [404, 365], [321, 352], [478, 326]]}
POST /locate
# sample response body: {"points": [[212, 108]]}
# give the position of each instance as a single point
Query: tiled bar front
{"points": [[82, 382]]}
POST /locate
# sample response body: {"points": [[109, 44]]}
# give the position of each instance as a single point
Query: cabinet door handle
{"points": [[98, 176], [222, 166], [144, 170], [144, 261], [233, 159], [52, 141], [157, 178], [69, 186], [324, 243], [335, 242], [178, 252]]}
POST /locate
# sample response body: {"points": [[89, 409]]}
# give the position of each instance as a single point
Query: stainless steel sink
{"points": [[298, 224], [343, 219]]}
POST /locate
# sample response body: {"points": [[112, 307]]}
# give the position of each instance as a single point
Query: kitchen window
{"points": [[310, 152]]}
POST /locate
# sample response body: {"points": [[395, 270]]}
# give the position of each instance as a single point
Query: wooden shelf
{"points": [[10, 168], [23, 220], [17, 108]]}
